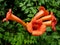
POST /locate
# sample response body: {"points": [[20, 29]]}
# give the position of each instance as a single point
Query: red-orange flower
{"points": [[40, 31], [7, 15], [36, 28], [54, 21], [10, 16], [51, 20], [42, 12]]}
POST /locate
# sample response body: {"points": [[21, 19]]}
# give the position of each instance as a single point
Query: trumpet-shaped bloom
{"points": [[54, 21], [42, 12], [39, 22], [7, 15], [45, 11], [51, 21], [10, 16], [36, 28]]}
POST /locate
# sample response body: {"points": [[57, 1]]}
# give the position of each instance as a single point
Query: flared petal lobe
{"points": [[7, 15], [42, 12], [45, 11], [36, 27], [40, 31], [54, 22], [11, 16]]}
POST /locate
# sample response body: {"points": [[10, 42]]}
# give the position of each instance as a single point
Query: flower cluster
{"points": [[37, 26]]}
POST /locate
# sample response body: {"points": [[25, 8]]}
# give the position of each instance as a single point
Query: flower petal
{"points": [[45, 11], [7, 15], [42, 12], [29, 27], [54, 22], [40, 31], [36, 28], [41, 8]]}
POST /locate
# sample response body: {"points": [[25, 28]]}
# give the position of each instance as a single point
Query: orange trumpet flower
{"points": [[42, 12], [36, 28], [52, 21], [40, 31], [10, 16]]}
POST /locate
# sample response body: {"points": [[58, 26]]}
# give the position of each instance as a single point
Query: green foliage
{"points": [[13, 33]]}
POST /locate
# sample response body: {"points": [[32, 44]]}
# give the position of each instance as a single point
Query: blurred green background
{"points": [[13, 33]]}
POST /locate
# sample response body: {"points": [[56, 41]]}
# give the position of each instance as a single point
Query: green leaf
{"points": [[6, 23], [33, 10], [30, 15], [27, 19], [1, 0], [48, 29], [58, 14], [1, 29], [55, 35], [34, 0], [23, 8], [1, 35], [21, 4], [59, 42], [26, 11], [54, 43], [58, 27], [41, 1], [29, 4]]}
